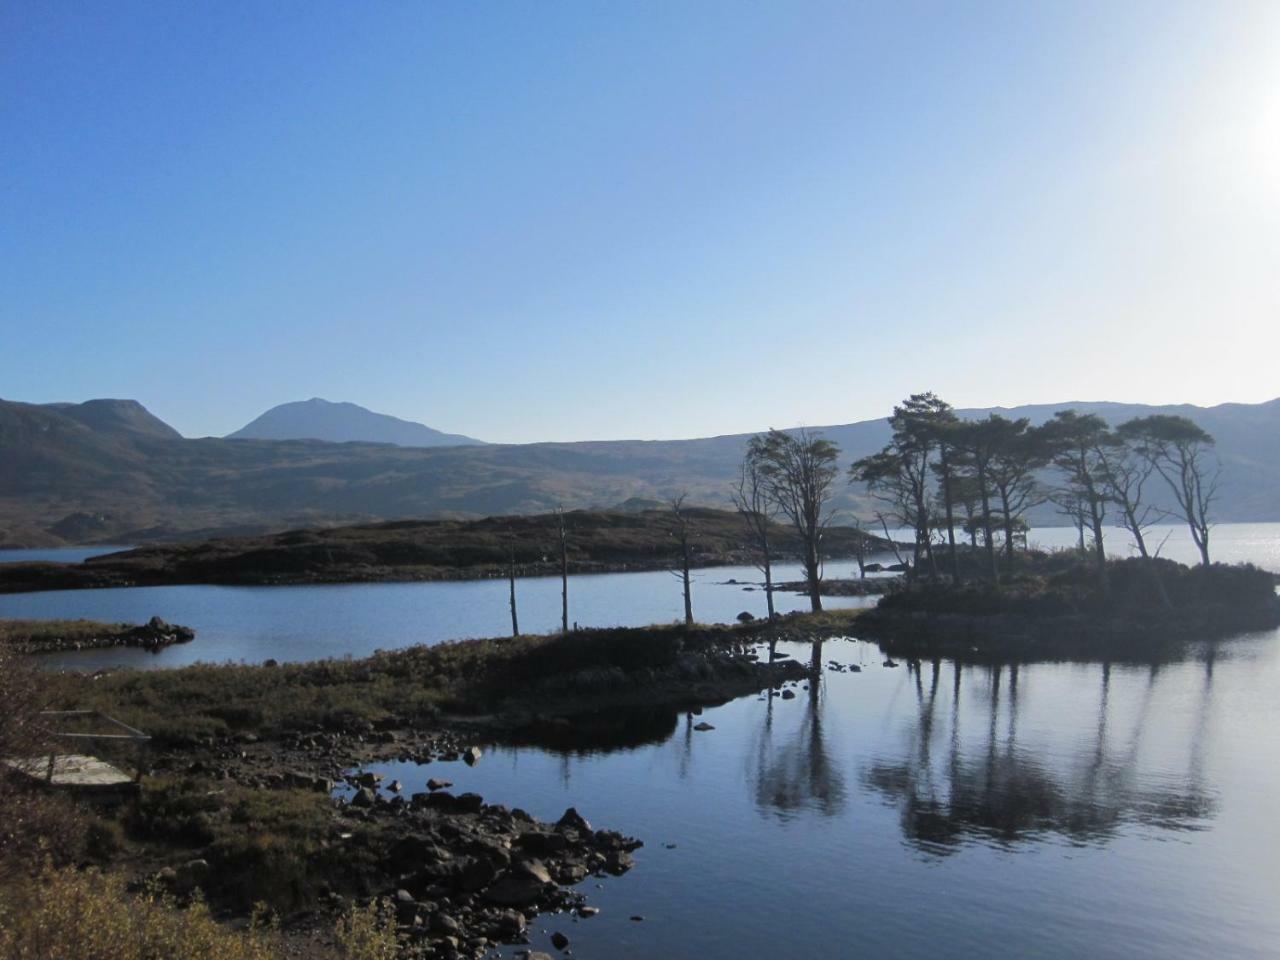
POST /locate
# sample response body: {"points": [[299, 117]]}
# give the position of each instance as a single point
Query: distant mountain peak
{"points": [[344, 422], [117, 416]]}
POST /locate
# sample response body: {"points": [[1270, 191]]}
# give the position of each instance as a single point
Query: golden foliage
{"points": [[368, 933], [86, 915]]}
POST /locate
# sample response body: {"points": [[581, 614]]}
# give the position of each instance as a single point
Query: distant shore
{"points": [[419, 551]]}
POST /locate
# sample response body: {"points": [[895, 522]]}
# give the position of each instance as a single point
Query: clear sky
{"points": [[546, 220]]}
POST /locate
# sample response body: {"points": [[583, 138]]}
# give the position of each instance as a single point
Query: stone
{"points": [[703, 726], [521, 886], [573, 820], [396, 786], [472, 756], [433, 784], [788, 694], [443, 924], [559, 940], [364, 797]]}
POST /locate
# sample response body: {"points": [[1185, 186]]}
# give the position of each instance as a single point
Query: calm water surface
{"points": [[1052, 810], [252, 624], [930, 811]]}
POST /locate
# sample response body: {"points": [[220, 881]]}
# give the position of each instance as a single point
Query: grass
{"points": [[195, 705], [42, 632]]}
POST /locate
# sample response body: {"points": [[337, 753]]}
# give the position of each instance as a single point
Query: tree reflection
{"points": [[990, 787], [796, 772]]}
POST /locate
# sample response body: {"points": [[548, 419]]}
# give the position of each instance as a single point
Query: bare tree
{"points": [[1182, 453], [511, 579], [799, 469], [860, 546], [1127, 472], [758, 511], [683, 532], [562, 534]]}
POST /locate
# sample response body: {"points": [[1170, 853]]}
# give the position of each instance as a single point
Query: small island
{"points": [[1055, 606], [60, 636]]}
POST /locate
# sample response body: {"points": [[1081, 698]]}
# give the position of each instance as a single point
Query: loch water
{"points": [[931, 810], [926, 810], [294, 623]]}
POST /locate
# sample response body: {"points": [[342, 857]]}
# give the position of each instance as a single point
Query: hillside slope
{"points": [[63, 481]]}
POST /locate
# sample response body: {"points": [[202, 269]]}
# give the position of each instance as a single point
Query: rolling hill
{"points": [[68, 474]]}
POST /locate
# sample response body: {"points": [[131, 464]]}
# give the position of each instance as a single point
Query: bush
{"points": [[368, 933], [71, 915]]}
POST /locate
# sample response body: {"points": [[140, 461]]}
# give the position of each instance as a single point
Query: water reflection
{"points": [[793, 772], [979, 781], [602, 731]]}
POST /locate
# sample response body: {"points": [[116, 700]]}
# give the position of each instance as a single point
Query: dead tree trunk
{"points": [[564, 571], [511, 578]]}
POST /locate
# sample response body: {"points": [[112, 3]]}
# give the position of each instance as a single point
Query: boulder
{"points": [[573, 820], [521, 886]]}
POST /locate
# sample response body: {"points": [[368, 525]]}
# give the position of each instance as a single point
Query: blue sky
{"points": [[528, 221]]}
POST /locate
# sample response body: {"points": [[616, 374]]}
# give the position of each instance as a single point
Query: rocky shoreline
{"points": [[241, 754]]}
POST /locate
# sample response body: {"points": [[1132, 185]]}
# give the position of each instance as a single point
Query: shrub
{"points": [[369, 932], [70, 915]]}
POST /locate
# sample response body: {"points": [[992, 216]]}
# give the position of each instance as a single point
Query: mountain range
{"points": [[109, 471]]}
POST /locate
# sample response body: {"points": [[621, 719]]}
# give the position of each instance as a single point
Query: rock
{"points": [[703, 726], [406, 907], [573, 820], [587, 912], [510, 924], [890, 663], [364, 797], [477, 873], [541, 844], [521, 886], [396, 786], [788, 694], [571, 872], [433, 784], [745, 617], [305, 781], [559, 940], [472, 756], [619, 862], [369, 779], [443, 925]]}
